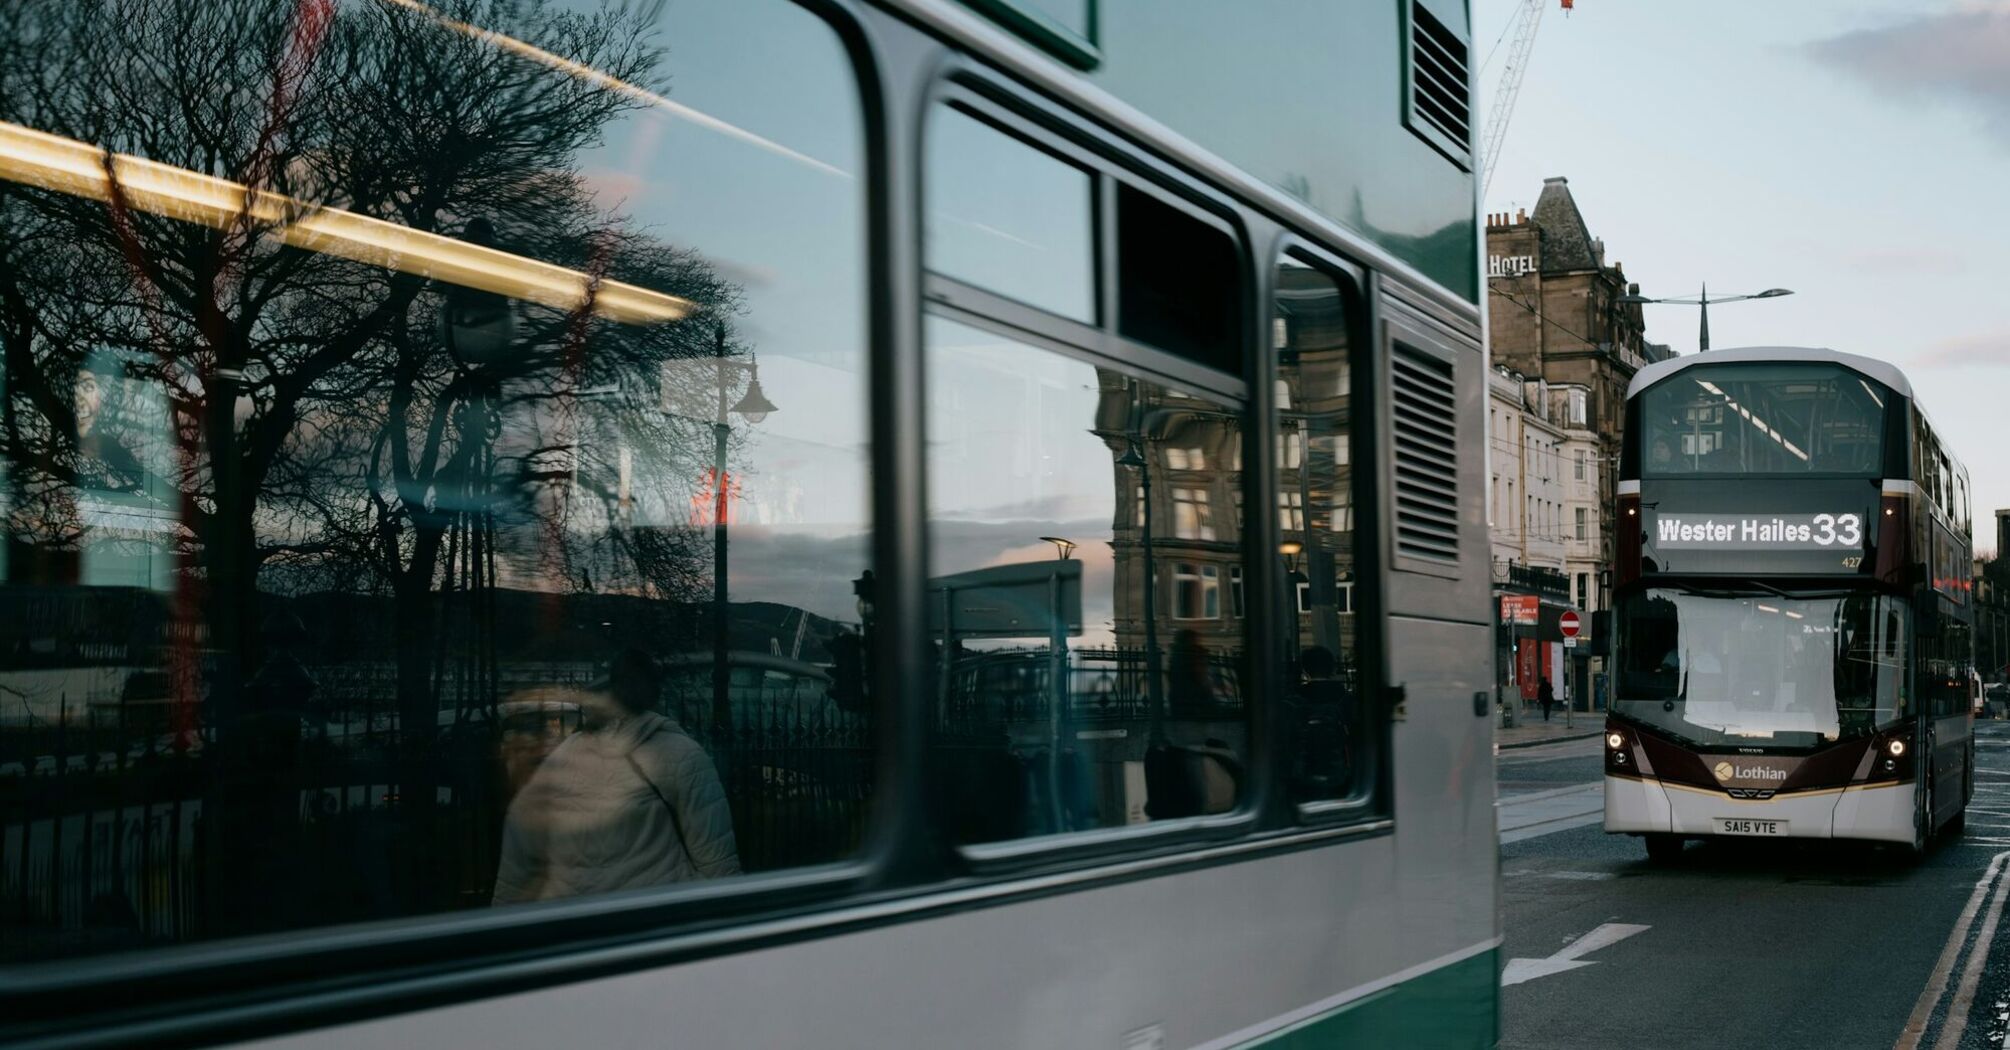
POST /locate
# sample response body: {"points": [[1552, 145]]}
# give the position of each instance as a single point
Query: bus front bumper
{"points": [[1880, 813]]}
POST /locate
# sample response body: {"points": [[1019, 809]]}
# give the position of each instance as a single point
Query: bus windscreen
{"points": [[1765, 670], [1746, 418]]}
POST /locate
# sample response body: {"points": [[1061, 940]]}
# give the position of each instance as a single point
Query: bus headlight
{"points": [[1614, 741], [1896, 747]]}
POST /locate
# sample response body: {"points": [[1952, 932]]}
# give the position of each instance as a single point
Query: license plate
{"points": [[1749, 826]]}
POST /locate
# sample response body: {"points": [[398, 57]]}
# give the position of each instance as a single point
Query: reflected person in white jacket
{"points": [[630, 800]]}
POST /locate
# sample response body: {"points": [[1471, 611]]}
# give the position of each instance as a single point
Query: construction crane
{"points": [[1525, 22]]}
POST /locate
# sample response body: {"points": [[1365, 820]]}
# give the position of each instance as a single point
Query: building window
{"points": [[1290, 449], [1583, 462], [1291, 511], [1582, 524], [1235, 592], [1343, 597], [1342, 510], [1578, 413], [1193, 518], [1196, 591], [1584, 590], [1303, 588], [1186, 459]]}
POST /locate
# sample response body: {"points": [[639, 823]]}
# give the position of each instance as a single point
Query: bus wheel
{"points": [[1664, 849]]}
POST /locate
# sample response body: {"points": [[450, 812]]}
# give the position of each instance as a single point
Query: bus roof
{"points": [[1883, 371]]}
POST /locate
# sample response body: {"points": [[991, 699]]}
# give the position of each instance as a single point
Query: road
{"points": [[1746, 944]]}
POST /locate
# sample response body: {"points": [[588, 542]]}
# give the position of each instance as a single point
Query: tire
{"points": [[1664, 848]]}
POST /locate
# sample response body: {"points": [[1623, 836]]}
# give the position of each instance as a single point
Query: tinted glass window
{"points": [[1087, 675], [1007, 217], [441, 487], [1763, 419], [1316, 486], [1177, 282]]}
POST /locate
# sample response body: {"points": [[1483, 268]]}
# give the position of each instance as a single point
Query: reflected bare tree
{"points": [[318, 430]]}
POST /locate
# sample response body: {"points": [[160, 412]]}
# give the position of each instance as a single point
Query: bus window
{"points": [[1763, 419], [1089, 673], [1007, 217], [369, 529], [1329, 733]]}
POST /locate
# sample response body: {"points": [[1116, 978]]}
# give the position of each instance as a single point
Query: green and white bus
{"points": [[743, 523]]}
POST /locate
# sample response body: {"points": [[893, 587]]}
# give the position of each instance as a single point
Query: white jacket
{"points": [[635, 802]]}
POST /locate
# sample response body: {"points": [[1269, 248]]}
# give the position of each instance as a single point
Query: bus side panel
{"points": [[1206, 954], [1443, 766], [1290, 946], [1636, 804], [1882, 814]]}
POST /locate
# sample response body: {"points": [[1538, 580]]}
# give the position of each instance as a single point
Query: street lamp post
{"points": [[1135, 459], [1704, 301], [754, 407]]}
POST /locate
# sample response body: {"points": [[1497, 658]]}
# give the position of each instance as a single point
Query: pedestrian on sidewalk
{"points": [[1546, 697]]}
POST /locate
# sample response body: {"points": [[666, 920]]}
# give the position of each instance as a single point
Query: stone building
{"points": [[1529, 525], [1554, 315]]}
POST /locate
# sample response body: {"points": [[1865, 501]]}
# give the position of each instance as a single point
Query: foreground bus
{"points": [[1792, 606], [742, 523]]}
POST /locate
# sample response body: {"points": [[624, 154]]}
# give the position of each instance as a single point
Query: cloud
{"points": [[1962, 54], [1983, 349]]}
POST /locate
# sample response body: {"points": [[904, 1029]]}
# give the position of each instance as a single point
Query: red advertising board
{"points": [[1520, 608]]}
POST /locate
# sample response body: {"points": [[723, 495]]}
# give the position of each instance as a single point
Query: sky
{"points": [[1856, 152]]}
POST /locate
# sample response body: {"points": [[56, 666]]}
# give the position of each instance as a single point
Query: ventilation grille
{"points": [[1438, 108], [1427, 457]]}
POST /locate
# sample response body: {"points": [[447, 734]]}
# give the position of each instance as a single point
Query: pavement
{"points": [[1801, 944], [1530, 730]]}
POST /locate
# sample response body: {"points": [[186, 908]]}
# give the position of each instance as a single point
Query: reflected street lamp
{"points": [[1064, 548], [1704, 301], [1134, 458], [754, 407]]}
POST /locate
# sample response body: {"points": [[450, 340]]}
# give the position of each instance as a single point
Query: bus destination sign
{"points": [[1755, 532]]}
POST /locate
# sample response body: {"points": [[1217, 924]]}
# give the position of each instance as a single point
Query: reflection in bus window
{"points": [[1315, 496], [1010, 218], [444, 485], [1716, 669], [1764, 419], [1087, 674]]}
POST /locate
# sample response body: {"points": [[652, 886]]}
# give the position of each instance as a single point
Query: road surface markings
{"points": [[1539, 813], [1519, 970], [1572, 876], [1936, 982], [1971, 974]]}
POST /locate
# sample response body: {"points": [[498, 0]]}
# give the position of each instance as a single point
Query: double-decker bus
{"points": [[1793, 608], [735, 523]]}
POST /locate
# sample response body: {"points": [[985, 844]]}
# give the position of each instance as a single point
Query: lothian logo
{"points": [[1727, 772]]}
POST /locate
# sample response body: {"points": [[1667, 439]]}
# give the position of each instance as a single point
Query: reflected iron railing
{"points": [[108, 832]]}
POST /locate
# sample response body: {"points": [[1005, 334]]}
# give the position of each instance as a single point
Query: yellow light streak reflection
{"points": [[37, 158]]}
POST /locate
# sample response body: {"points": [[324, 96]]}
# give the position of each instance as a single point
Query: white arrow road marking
{"points": [[1519, 970]]}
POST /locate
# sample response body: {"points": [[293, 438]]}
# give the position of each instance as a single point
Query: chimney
{"points": [[1633, 289], [1520, 216]]}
